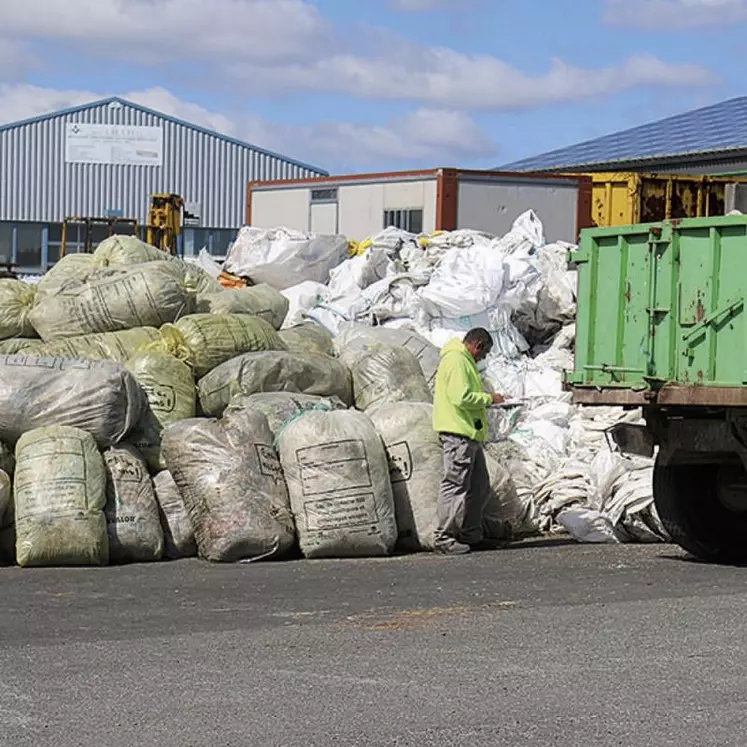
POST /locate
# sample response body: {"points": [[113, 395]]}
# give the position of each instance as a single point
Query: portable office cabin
{"points": [[361, 205]]}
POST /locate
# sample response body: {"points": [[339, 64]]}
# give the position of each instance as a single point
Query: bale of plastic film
{"points": [[337, 474], [384, 374], [112, 346], [229, 475], [123, 249], [16, 301], [273, 371], [146, 295], [416, 469], [281, 407], [132, 518], [259, 300], [178, 533], [205, 341], [170, 388], [308, 337], [59, 497], [99, 397]]}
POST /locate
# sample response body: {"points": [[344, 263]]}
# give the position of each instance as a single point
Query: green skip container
{"points": [[661, 314]]}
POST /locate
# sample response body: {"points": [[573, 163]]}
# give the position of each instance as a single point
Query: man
{"points": [[460, 419]]}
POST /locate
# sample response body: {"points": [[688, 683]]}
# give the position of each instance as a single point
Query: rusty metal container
{"points": [[623, 198]]}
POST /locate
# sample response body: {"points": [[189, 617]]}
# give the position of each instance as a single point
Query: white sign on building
{"points": [[118, 145]]}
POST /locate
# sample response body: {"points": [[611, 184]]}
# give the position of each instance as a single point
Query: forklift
{"points": [[162, 229]]}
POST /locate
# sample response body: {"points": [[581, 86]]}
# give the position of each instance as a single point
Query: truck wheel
{"points": [[704, 509]]}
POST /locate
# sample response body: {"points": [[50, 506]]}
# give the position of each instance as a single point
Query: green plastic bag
{"points": [[60, 494], [145, 295], [132, 518], [16, 301], [308, 337], [230, 477], [70, 269], [122, 249], [274, 371], [259, 300], [169, 385], [112, 346], [20, 345], [204, 341]]}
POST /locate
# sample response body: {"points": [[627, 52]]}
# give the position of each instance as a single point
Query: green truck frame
{"points": [[662, 325]]}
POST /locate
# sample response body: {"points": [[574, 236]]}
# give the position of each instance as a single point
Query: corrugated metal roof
{"points": [[165, 118], [718, 128]]}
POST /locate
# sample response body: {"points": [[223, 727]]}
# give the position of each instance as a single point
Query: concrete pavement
{"points": [[541, 644]]}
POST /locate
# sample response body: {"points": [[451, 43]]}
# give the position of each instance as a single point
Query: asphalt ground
{"points": [[545, 643]]}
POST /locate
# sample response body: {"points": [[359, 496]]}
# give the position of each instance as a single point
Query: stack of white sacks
{"points": [[520, 288]]}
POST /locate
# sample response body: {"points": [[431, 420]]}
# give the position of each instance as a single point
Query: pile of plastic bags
{"points": [[174, 416], [518, 287]]}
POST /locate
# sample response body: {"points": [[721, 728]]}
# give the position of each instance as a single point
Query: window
{"points": [[6, 242], [220, 240], [324, 195], [406, 220], [214, 240], [29, 238]]}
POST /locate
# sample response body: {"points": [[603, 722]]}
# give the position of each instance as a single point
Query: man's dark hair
{"points": [[481, 336]]}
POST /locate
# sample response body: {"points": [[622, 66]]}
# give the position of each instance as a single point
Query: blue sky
{"points": [[362, 85]]}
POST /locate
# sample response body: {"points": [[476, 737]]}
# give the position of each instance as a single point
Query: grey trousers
{"points": [[465, 491]]}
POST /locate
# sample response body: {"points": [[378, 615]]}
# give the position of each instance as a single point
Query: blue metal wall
{"points": [[37, 185]]}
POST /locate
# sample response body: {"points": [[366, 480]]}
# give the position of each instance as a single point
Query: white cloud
{"points": [[427, 136], [430, 136], [445, 78], [415, 6], [668, 14], [276, 47], [264, 30]]}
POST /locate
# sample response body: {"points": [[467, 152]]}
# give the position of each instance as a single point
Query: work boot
{"points": [[451, 547]]}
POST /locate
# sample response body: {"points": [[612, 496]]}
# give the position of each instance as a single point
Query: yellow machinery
{"points": [[164, 221], [162, 229]]}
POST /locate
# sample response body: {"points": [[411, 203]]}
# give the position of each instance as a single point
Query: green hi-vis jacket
{"points": [[459, 403]]}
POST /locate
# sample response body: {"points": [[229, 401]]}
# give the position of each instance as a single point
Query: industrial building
{"points": [[710, 140], [361, 205], [105, 159]]}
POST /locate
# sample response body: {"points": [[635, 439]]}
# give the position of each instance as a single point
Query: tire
{"points": [[688, 503]]}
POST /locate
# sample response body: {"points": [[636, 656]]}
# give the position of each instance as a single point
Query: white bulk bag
{"points": [[338, 480], [283, 257], [416, 468], [230, 477], [100, 397]]}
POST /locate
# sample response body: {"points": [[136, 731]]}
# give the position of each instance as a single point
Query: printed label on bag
{"points": [[400, 462], [125, 469], [341, 513], [41, 490], [269, 463], [161, 397], [100, 307], [333, 467]]}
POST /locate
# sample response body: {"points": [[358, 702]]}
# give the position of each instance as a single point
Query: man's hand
{"points": [[498, 399]]}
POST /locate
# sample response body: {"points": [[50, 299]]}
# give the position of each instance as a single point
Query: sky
{"points": [[374, 85]]}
